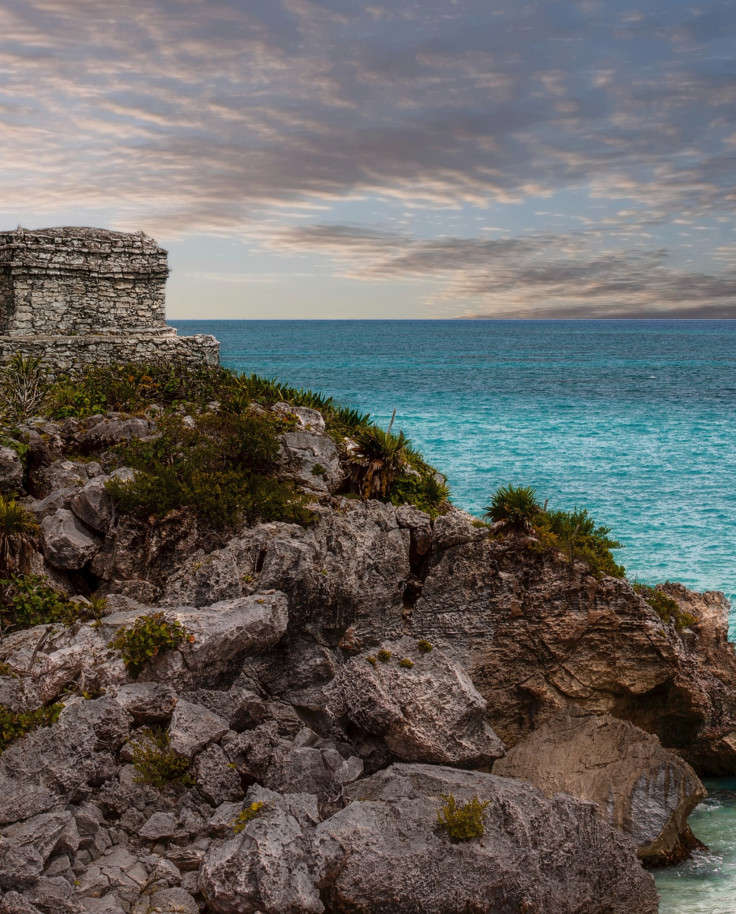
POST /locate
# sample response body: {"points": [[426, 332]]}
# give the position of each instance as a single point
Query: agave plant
{"points": [[378, 460], [515, 507], [18, 535], [24, 387]]}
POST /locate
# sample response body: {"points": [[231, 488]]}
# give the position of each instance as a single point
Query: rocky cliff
{"points": [[327, 685]]}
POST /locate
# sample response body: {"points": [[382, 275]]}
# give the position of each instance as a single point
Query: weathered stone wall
{"points": [[74, 280], [80, 295]]}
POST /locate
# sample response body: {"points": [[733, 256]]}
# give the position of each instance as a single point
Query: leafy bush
{"points": [[224, 468], [462, 821], [246, 816], [575, 533], [15, 724], [19, 532], [666, 608], [157, 763], [28, 600], [146, 638], [516, 507]]}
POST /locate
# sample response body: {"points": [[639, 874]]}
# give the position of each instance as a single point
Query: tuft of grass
{"points": [[384, 656], [463, 821], [157, 763], [247, 815], [15, 724], [146, 638], [425, 646], [406, 664], [516, 507], [372, 660], [19, 533], [23, 388], [378, 461]]}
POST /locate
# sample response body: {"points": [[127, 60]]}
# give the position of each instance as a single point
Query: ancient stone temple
{"points": [[86, 295]]}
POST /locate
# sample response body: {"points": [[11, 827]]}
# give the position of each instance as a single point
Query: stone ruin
{"points": [[76, 296]]}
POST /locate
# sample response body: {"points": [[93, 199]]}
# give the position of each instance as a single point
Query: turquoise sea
{"points": [[634, 420]]}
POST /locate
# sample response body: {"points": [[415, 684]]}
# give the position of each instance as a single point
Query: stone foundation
{"points": [[69, 354]]}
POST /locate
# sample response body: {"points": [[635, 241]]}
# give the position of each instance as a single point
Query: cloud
{"points": [[534, 276], [184, 118]]}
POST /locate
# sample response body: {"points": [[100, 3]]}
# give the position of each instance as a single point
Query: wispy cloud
{"points": [[187, 118]]}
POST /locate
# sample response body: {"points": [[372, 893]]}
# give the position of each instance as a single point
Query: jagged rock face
{"points": [[11, 471], [536, 634], [427, 712], [639, 787], [568, 861]]}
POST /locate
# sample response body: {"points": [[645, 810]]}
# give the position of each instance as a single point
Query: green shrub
{"points": [[464, 821], [15, 724], [666, 607], [575, 533], [157, 763], [516, 507], [146, 638], [384, 656], [424, 646], [224, 468], [422, 490], [406, 664], [28, 600], [247, 815], [19, 533], [371, 659]]}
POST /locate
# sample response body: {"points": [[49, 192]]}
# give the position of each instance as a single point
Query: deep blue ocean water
{"points": [[634, 420]]}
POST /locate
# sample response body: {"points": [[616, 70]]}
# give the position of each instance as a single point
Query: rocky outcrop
{"points": [[281, 695], [11, 471], [567, 861], [639, 787], [423, 707]]}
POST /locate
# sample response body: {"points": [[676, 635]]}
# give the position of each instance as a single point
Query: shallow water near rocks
{"points": [[705, 884]]}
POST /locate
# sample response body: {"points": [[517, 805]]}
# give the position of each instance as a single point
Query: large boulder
{"points": [[273, 865], [422, 705], [67, 543], [547, 856], [641, 788]]}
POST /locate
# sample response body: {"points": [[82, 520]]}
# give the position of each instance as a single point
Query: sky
{"points": [[402, 159]]}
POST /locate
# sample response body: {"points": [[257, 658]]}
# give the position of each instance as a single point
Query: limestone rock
{"points": [[428, 712], [311, 460], [641, 788], [64, 474], [272, 866], [67, 543], [93, 504], [11, 471], [193, 727], [217, 778], [108, 432], [550, 856], [167, 901]]}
